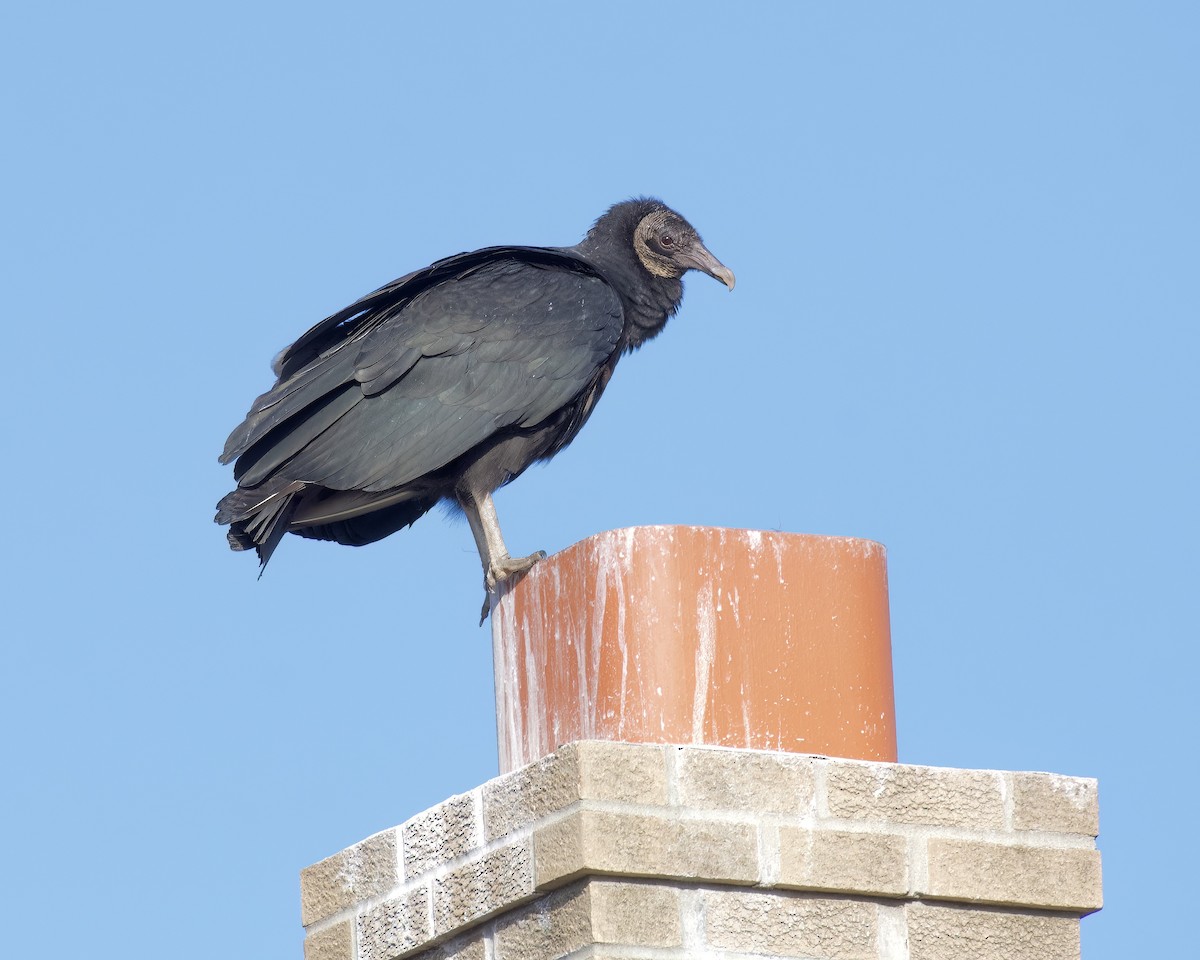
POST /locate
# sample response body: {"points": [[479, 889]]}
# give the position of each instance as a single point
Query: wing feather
{"points": [[435, 366]]}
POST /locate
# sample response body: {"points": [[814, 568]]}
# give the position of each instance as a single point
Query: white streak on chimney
{"points": [[706, 627]]}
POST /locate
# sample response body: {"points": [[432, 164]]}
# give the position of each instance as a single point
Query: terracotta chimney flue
{"points": [[698, 635]]}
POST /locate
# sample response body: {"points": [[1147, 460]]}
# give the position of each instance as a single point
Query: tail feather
{"points": [[259, 517]]}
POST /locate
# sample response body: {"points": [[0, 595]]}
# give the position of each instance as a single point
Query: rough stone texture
{"points": [[790, 925], [395, 926], [473, 946], [332, 943], [606, 951], [531, 793], [1047, 801], [836, 860], [588, 770], [1044, 877], [364, 870], [482, 887], [639, 914], [755, 781], [956, 933], [639, 845], [559, 852], [552, 927], [896, 793], [591, 913], [440, 834], [623, 772], [632, 852]]}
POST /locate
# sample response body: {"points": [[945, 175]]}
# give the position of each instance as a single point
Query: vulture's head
{"points": [[669, 246], [665, 244]]}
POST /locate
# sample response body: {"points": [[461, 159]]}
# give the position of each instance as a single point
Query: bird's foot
{"points": [[505, 570], [508, 567]]}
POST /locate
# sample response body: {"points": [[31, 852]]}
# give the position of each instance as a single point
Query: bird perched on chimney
{"points": [[447, 383]]}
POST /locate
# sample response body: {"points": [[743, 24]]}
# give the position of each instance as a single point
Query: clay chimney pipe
{"points": [[737, 638]]}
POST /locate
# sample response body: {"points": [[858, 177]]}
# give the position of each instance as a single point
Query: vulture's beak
{"points": [[698, 258]]}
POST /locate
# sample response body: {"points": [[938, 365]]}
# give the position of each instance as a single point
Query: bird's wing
{"points": [[317, 361], [346, 323], [421, 379]]}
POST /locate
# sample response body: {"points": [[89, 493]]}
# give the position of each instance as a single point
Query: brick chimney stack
{"points": [[697, 749]]}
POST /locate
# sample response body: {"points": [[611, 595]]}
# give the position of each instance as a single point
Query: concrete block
{"points": [[896, 793], [790, 925], [588, 914], [332, 943], [610, 952], [471, 946], [639, 845], [1047, 878], [1046, 801], [637, 914], [587, 770], [596, 852], [439, 835], [531, 793], [395, 926], [622, 772], [482, 888], [551, 927], [960, 933], [835, 860], [367, 869], [606, 951], [753, 780]]}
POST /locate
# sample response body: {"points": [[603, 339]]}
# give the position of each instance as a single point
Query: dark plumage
{"points": [[449, 382]]}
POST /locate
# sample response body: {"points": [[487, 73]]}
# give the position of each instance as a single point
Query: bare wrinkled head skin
{"points": [[668, 246]]}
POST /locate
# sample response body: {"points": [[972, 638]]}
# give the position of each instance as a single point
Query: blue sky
{"points": [[966, 241]]}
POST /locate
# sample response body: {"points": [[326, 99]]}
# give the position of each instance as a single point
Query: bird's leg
{"points": [[497, 564]]}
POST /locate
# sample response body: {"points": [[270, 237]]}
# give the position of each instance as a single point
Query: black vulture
{"points": [[447, 383]]}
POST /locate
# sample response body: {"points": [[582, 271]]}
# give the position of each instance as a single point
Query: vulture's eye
{"points": [[667, 240]]}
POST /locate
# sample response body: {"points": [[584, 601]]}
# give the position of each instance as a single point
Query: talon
{"points": [[507, 568]]}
